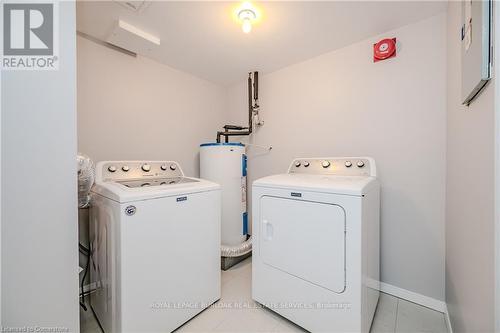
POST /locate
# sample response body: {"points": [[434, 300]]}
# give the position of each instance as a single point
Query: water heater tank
{"points": [[226, 164]]}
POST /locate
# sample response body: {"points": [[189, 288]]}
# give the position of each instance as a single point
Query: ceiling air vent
{"points": [[135, 6]]}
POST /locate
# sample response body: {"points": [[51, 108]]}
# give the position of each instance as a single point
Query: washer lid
{"points": [[144, 189], [156, 182], [349, 185]]}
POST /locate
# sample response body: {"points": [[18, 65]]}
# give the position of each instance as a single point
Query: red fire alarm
{"points": [[384, 49]]}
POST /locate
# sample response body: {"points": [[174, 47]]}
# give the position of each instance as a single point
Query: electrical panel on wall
{"points": [[476, 50]]}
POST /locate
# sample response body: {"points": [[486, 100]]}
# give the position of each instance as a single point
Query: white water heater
{"points": [[226, 164]]}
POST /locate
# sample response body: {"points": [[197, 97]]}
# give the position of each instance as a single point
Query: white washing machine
{"points": [[155, 238], [316, 243]]}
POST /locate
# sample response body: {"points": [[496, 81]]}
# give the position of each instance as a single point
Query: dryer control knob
{"points": [[306, 164], [125, 168], [146, 167], [325, 164], [111, 168], [163, 167], [360, 164], [173, 167], [348, 164], [297, 164]]}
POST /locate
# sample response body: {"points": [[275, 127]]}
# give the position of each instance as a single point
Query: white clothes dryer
{"points": [[316, 243]]}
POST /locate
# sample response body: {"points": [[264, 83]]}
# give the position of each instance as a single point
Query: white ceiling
{"points": [[204, 39]]}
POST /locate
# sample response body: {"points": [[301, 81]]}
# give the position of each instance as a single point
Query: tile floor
{"points": [[393, 314]]}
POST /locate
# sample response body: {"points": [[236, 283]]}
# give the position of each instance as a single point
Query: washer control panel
{"points": [[343, 166], [126, 170]]}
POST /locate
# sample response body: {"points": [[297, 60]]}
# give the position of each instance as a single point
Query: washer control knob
{"points": [[146, 167], [163, 167], [297, 164], [112, 168], [173, 167], [306, 164], [348, 164], [125, 168], [325, 164], [360, 164]]}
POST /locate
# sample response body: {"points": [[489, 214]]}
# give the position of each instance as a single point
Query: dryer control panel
{"points": [[127, 170], [341, 166]]}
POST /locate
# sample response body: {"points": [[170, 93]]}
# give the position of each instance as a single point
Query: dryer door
{"points": [[305, 239]]}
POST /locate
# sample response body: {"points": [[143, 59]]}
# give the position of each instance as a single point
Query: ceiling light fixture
{"points": [[247, 15]]}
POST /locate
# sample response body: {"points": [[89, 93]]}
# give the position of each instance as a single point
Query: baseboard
{"points": [[413, 297]]}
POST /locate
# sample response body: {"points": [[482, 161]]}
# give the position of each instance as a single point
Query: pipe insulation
{"points": [[86, 178]]}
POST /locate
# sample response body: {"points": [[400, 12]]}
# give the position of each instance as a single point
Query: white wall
{"points": [[342, 104], [39, 205], [496, 74], [470, 200], [136, 108], [0, 201]]}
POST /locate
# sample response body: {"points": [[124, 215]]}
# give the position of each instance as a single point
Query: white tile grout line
{"points": [[446, 316], [396, 316], [448, 321]]}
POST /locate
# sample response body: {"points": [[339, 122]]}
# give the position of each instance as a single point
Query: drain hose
{"points": [[236, 250]]}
